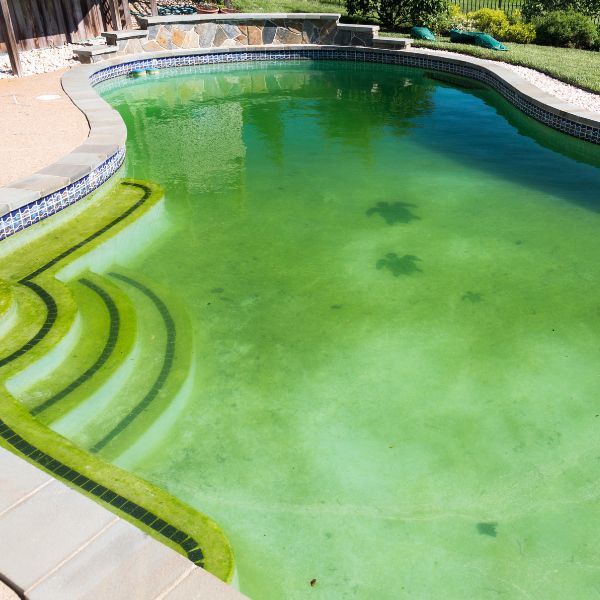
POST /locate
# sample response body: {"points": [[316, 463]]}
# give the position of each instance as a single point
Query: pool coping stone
{"points": [[111, 556]]}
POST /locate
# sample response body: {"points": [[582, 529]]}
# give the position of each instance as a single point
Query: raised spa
{"points": [[360, 331]]}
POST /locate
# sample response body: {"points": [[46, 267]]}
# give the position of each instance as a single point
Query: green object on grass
{"points": [[477, 38], [422, 33]]}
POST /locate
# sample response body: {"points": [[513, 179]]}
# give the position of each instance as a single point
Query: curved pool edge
{"points": [[79, 173]]}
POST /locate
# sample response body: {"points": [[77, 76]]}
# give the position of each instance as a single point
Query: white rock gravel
{"points": [[44, 60], [564, 91], [50, 59]]}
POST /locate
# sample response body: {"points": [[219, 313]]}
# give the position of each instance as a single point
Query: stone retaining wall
{"points": [[219, 33], [231, 31]]}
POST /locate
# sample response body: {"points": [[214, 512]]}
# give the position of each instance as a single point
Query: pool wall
{"points": [[79, 173]]}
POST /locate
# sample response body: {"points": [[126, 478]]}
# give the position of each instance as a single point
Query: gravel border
{"points": [[566, 92]]}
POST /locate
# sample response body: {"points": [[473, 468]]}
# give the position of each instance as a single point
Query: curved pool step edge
{"points": [[107, 348], [47, 316], [151, 509], [87, 550], [176, 365], [46, 308]]}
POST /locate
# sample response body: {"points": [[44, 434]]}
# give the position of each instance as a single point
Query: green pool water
{"points": [[392, 287]]}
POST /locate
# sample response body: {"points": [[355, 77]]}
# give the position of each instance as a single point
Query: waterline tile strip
{"points": [[31, 213], [78, 83]]}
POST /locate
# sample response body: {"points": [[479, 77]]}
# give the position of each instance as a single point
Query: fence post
{"points": [[126, 14], [8, 33], [153, 8], [115, 15]]}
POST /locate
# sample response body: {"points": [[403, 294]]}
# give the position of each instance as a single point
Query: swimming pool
{"points": [[359, 331]]}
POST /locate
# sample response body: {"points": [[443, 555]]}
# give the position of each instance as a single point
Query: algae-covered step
{"points": [[104, 353], [160, 365]]}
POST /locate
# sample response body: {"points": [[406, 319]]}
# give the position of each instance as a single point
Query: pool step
{"points": [[45, 309], [77, 356], [123, 413], [105, 345], [392, 43], [46, 314]]}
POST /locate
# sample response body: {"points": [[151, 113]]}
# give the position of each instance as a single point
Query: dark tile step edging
{"points": [[188, 544]]}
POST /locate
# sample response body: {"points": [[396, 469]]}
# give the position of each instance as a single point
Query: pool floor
{"points": [[386, 287]]}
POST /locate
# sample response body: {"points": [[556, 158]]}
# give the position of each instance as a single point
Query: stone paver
{"points": [[46, 529], [123, 562], [57, 544], [18, 479], [197, 586]]}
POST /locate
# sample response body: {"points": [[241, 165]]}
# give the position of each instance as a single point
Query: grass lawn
{"points": [[319, 6], [579, 67]]}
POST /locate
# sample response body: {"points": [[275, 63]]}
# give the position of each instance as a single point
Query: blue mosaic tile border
{"points": [[38, 210], [33, 212], [561, 123]]}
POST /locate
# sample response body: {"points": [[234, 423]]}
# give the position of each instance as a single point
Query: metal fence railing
{"points": [[508, 6]]}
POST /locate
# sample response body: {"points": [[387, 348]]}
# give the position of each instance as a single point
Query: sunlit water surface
{"points": [[394, 287]]}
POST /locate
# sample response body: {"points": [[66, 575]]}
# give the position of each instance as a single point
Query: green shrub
{"points": [[500, 26], [389, 13], [567, 29], [427, 13], [492, 21], [392, 13], [522, 33], [453, 19], [533, 9]]}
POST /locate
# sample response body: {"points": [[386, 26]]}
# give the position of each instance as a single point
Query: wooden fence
{"points": [[43, 23]]}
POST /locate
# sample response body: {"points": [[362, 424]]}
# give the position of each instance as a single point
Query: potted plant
{"points": [[206, 8], [227, 7]]}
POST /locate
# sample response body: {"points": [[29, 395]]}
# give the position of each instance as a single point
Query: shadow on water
{"points": [[399, 265], [488, 529], [473, 297], [532, 154], [398, 212]]}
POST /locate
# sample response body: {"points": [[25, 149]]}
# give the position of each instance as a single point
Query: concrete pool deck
{"points": [[58, 543], [39, 124]]}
